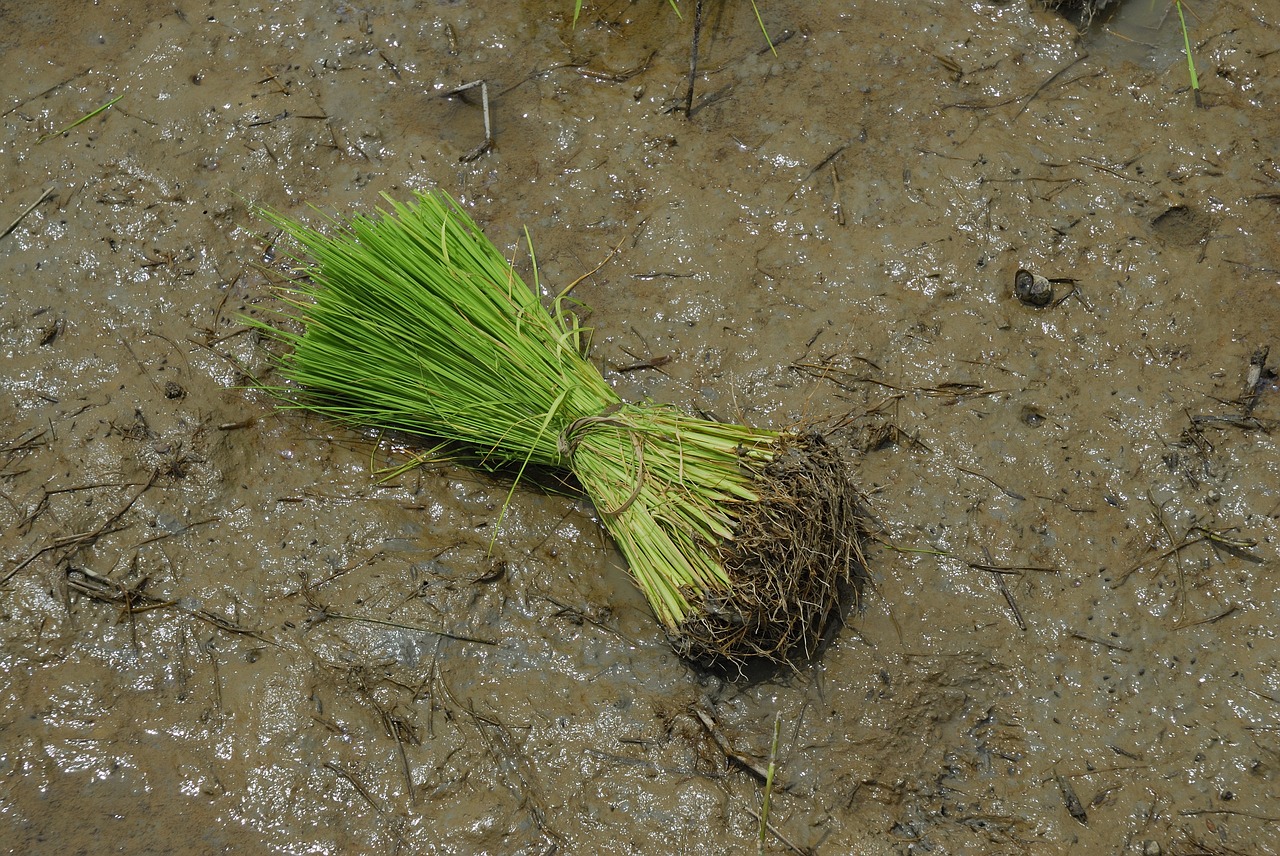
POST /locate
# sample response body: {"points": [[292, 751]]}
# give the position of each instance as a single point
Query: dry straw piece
{"points": [[744, 540]]}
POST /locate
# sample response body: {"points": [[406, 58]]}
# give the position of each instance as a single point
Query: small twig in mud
{"points": [[1099, 640], [794, 848], [72, 544], [355, 783], [1245, 423], [581, 616], [487, 143], [212, 329], [998, 571], [956, 70], [661, 274], [225, 624], [1238, 547], [1230, 610], [1073, 292], [1235, 546], [404, 762], [1199, 811], [48, 191], [427, 688], [46, 91], [321, 613], [1093, 163], [610, 75], [1256, 379], [271, 77], [217, 677], [1012, 570], [654, 363], [1051, 79], [395, 69], [396, 727], [837, 205], [1175, 551], [924, 551], [402, 626], [749, 764], [642, 763], [183, 531], [308, 585], [570, 287], [991, 105], [693, 59], [829, 160], [768, 784], [1009, 493], [511, 758], [825, 161], [133, 600], [24, 442], [950, 389], [999, 575], [1074, 807]]}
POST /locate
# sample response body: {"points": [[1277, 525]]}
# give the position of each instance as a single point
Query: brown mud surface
{"points": [[220, 629]]}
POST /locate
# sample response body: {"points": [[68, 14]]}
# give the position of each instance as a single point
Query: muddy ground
{"points": [[220, 629]]}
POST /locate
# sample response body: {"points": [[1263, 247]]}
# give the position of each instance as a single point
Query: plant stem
{"points": [[768, 784], [1186, 45], [85, 118]]}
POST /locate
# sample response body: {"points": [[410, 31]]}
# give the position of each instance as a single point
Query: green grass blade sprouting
{"points": [[1186, 46], [85, 118]]}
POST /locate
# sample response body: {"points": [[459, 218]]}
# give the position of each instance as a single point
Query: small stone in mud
{"points": [[1032, 289]]}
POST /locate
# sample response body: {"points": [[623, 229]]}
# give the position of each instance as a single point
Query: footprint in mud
{"points": [[1183, 226]]}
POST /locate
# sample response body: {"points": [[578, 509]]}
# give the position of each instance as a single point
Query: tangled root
{"points": [[1081, 12], [795, 556]]}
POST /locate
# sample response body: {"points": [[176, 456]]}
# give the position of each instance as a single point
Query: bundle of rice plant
{"points": [[741, 538]]}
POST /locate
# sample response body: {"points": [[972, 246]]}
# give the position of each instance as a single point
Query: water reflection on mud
{"points": [[222, 629]]}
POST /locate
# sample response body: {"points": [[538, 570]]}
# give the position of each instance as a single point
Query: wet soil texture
{"points": [[221, 627]]}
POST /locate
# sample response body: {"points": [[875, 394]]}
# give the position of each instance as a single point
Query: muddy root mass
{"points": [[795, 558]]}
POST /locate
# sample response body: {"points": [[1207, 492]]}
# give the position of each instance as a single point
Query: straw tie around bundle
{"points": [[741, 538], [569, 445]]}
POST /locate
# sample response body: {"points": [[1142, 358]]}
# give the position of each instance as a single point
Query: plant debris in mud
{"points": [[744, 540], [1081, 11]]}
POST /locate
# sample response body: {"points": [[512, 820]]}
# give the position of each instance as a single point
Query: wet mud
{"points": [[226, 627]]}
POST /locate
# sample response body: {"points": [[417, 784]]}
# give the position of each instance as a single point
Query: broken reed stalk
{"points": [[741, 538]]}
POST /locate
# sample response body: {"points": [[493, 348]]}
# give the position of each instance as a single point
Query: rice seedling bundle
{"points": [[741, 538]]}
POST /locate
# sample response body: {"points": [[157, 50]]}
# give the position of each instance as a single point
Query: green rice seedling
{"points": [[1186, 46], [85, 118], [742, 539]]}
